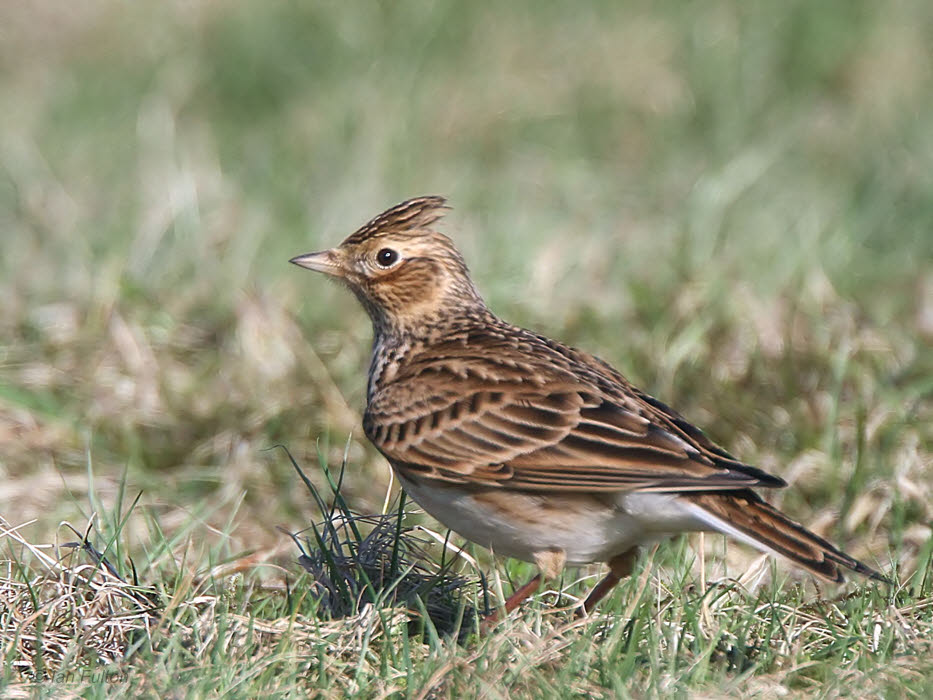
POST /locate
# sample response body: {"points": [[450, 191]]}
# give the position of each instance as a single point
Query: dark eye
{"points": [[386, 257]]}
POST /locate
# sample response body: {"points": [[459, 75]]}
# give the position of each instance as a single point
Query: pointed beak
{"points": [[323, 261]]}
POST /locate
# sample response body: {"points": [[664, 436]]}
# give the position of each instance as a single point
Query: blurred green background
{"points": [[732, 202]]}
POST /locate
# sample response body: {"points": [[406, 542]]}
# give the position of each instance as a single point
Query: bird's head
{"points": [[404, 273]]}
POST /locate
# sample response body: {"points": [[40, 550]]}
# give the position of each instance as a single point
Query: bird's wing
{"points": [[538, 428]]}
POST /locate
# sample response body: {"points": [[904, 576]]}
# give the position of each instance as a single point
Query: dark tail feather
{"points": [[744, 515]]}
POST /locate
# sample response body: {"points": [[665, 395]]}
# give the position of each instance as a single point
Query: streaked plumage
{"points": [[523, 444]]}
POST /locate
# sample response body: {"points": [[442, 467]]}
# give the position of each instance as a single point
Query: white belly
{"points": [[587, 528]]}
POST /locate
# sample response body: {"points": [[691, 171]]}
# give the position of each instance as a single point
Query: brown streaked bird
{"points": [[524, 445]]}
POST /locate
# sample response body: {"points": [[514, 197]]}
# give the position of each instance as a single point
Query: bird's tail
{"points": [[745, 516]]}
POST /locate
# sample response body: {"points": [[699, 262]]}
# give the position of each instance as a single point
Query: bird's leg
{"points": [[550, 563], [523, 592], [512, 602], [620, 566]]}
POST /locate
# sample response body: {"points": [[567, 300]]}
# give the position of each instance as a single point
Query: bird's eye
{"points": [[386, 257]]}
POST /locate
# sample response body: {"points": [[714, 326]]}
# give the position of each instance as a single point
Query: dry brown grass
{"points": [[64, 617]]}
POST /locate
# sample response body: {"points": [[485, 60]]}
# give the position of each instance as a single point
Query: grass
{"points": [[728, 201]]}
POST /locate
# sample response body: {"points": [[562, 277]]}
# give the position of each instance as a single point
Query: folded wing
{"points": [[464, 424]]}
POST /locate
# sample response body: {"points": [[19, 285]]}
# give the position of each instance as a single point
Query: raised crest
{"points": [[411, 215]]}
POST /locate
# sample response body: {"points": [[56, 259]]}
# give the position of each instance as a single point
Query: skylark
{"points": [[524, 445]]}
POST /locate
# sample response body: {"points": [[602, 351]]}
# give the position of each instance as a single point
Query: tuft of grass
{"points": [[355, 560]]}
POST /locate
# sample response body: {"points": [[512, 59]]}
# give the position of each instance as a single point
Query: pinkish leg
{"points": [[619, 567]]}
